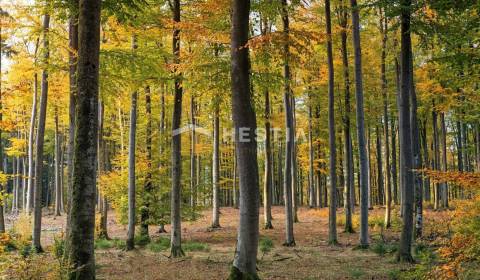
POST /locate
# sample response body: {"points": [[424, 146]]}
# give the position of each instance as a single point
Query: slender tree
{"points": [[131, 164], [80, 239], [148, 185], [244, 120], [332, 216], [388, 186], [349, 180], [444, 159], [33, 118], [362, 147], [216, 166], [289, 140], [58, 186], [267, 188], [37, 196]]}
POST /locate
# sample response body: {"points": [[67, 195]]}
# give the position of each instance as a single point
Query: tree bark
{"points": [[31, 162], [267, 188], [244, 120], [436, 153], [80, 240], [406, 168], [37, 196], [444, 159], [332, 216], [289, 135], [312, 201], [364, 182], [102, 163], [192, 156], [2, 218], [216, 167], [131, 165], [58, 193], [176, 233], [148, 185], [349, 180], [73, 49]]}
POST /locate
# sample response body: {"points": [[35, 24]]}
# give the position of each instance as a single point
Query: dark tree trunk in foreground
{"points": [[176, 233], [37, 195], [332, 216], [289, 140], [80, 242], [364, 182], [406, 172], [72, 56], [244, 120], [2, 218]]}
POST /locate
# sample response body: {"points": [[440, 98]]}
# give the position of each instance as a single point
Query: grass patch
{"points": [[159, 245], [265, 245], [355, 272], [382, 248], [195, 246], [141, 240], [103, 244], [394, 274]]}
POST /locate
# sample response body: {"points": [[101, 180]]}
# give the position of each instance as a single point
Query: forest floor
{"points": [[209, 253]]}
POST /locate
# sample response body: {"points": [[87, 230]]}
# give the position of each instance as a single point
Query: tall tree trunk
{"points": [[436, 152], [444, 159], [406, 168], [417, 156], [380, 182], [244, 120], [37, 196], [312, 201], [216, 166], [388, 186], [294, 163], [289, 136], [58, 193], [267, 188], [31, 164], [102, 162], [148, 185], [192, 156], [80, 242], [72, 55], [236, 190], [131, 165], [332, 216], [349, 180], [2, 218], [364, 183], [176, 233]]}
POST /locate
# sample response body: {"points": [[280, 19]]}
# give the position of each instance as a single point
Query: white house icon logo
{"points": [[191, 127]]}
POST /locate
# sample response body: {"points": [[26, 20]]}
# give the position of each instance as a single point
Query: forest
{"points": [[239, 139]]}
